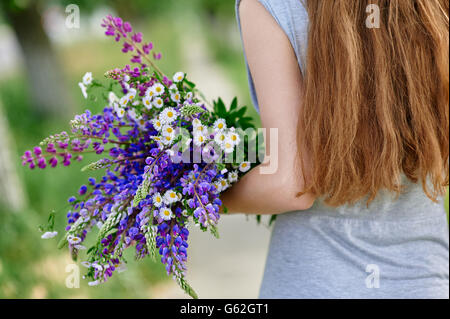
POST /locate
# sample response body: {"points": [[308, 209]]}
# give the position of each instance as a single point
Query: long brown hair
{"points": [[376, 99]]}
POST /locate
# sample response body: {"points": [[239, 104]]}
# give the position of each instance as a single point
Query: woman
{"points": [[359, 95]]}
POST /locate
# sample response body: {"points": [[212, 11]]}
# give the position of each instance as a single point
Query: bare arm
{"points": [[278, 83]]}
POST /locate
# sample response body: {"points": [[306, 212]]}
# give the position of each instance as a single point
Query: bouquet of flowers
{"points": [[167, 157]]}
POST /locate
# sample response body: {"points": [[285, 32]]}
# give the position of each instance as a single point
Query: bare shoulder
{"points": [[259, 27], [254, 10]]}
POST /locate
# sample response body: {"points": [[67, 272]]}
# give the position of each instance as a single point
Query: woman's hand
{"points": [[262, 194], [278, 82]]}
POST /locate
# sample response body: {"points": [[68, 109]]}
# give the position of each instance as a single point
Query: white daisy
{"points": [[178, 77], [219, 138], [173, 89], [158, 88], [184, 212], [157, 200], [244, 167], [157, 124], [189, 96], [112, 98], [233, 177], [86, 264], [131, 94], [199, 139], [49, 234], [196, 122], [200, 129], [220, 125], [228, 145], [120, 112], [74, 240], [158, 102], [150, 92], [121, 267], [223, 184], [158, 140], [124, 101], [176, 97], [170, 197], [80, 247], [234, 137], [83, 89], [147, 101], [93, 283], [87, 78], [217, 186], [132, 114], [167, 130], [141, 122], [168, 139], [165, 213], [169, 115]]}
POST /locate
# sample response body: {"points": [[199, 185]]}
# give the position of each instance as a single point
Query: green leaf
{"points": [[190, 110], [220, 166], [189, 83], [241, 112], [141, 192], [220, 108], [234, 104], [112, 231], [97, 165], [214, 231], [187, 288], [62, 243], [272, 219]]}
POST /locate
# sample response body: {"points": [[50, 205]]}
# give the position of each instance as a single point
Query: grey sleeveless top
{"points": [[393, 249]]}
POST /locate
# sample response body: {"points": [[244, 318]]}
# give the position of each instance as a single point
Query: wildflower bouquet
{"points": [[166, 156]]}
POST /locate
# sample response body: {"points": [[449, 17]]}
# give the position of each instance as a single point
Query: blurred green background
{"points": [[188, 33], [41, 62]]}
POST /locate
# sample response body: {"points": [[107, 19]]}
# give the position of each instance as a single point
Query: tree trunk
{"points": [[11, 190], [46, 83]]}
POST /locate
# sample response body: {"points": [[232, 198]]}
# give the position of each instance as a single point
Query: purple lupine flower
{"points": [[137, 168]]}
